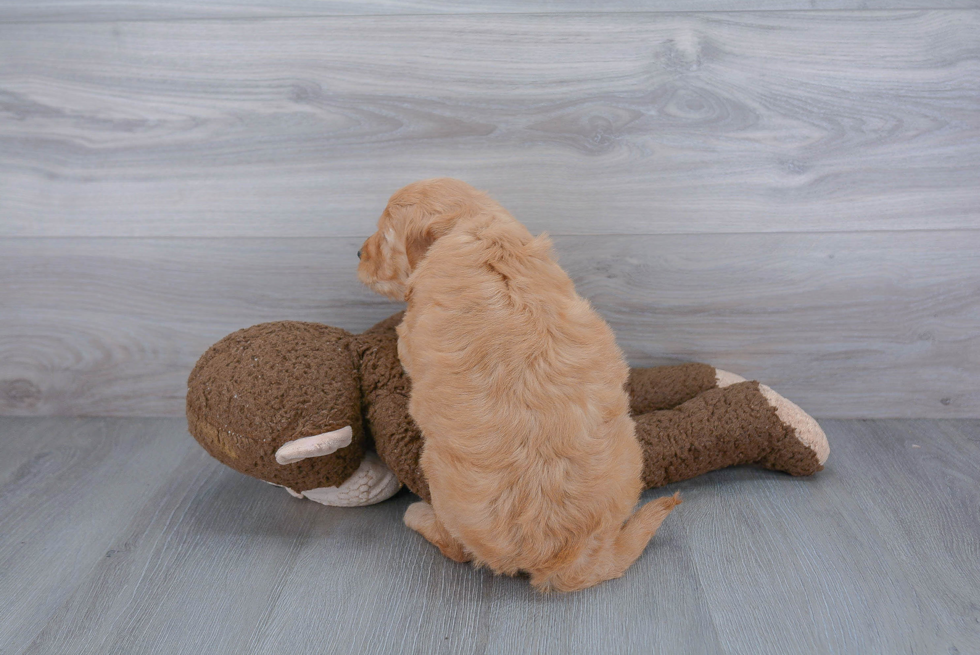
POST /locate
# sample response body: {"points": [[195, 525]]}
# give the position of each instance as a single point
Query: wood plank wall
{"points": [[791, 195]]}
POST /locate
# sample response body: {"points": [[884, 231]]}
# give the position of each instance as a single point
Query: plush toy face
{"points": [[260, 388]]}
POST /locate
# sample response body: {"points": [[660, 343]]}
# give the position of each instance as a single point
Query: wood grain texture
{"points": [[67, 487], [133, 541], [867, 556], [580, 124], [847, 325], [118, 10]]}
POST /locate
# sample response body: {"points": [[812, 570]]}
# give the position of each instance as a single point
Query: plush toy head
{"points": [[293, 404], [260, 388]]}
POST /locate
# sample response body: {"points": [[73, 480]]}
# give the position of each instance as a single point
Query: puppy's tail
{"points": [[612, 560], [640, 528]]}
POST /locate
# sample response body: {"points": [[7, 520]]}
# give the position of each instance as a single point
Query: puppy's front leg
{"points": [[421, 518]]}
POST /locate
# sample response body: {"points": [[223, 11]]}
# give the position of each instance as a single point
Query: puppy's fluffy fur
{"points": [[518, 387]]}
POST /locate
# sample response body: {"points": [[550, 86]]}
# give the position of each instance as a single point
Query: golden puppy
{"points": [[518, 387]]}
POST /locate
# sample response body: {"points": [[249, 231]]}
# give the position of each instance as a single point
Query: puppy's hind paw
{"points": [[419, 516], [422, 518]]}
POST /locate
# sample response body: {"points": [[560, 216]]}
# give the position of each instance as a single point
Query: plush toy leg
{"points": [[371, 483], [666, 387], [743, 423]]}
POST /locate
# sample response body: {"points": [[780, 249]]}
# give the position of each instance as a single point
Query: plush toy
{"points": [[301, 405]]}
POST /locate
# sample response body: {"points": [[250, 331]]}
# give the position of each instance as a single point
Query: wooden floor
{"points": [[123, 536]]}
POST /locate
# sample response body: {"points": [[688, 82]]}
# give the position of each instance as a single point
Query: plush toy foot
{"points": [[807, 430], [371, 483]]}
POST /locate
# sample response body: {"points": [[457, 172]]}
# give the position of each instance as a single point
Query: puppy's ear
{"points": [[423, 231]]}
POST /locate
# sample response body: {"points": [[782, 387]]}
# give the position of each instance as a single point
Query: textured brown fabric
{"points": [[719, 428], [386, 390], [665, 387], [268, 384]]}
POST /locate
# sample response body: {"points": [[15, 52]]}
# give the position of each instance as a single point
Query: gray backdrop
{"points": [[790, 195]]}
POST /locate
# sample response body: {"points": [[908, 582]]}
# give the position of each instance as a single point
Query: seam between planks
{"points": [[364, 235], [537, 14]]}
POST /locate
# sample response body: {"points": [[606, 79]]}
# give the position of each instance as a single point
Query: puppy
{"points": [[518, 388]]}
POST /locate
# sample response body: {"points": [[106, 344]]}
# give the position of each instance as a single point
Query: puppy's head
{"points": [[415, 217]]}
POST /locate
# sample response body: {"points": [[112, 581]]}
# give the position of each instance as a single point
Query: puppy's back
{"points": [[518, 386]]}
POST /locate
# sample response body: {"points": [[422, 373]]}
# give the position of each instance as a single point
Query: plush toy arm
{"points": [[386, 389], [666, 387], [743, 423]]}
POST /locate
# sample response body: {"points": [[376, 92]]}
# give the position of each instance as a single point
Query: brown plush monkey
{"points": [[301, 405]]}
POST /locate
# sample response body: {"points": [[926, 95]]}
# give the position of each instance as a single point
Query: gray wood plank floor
{"points": [[123, 536]]}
